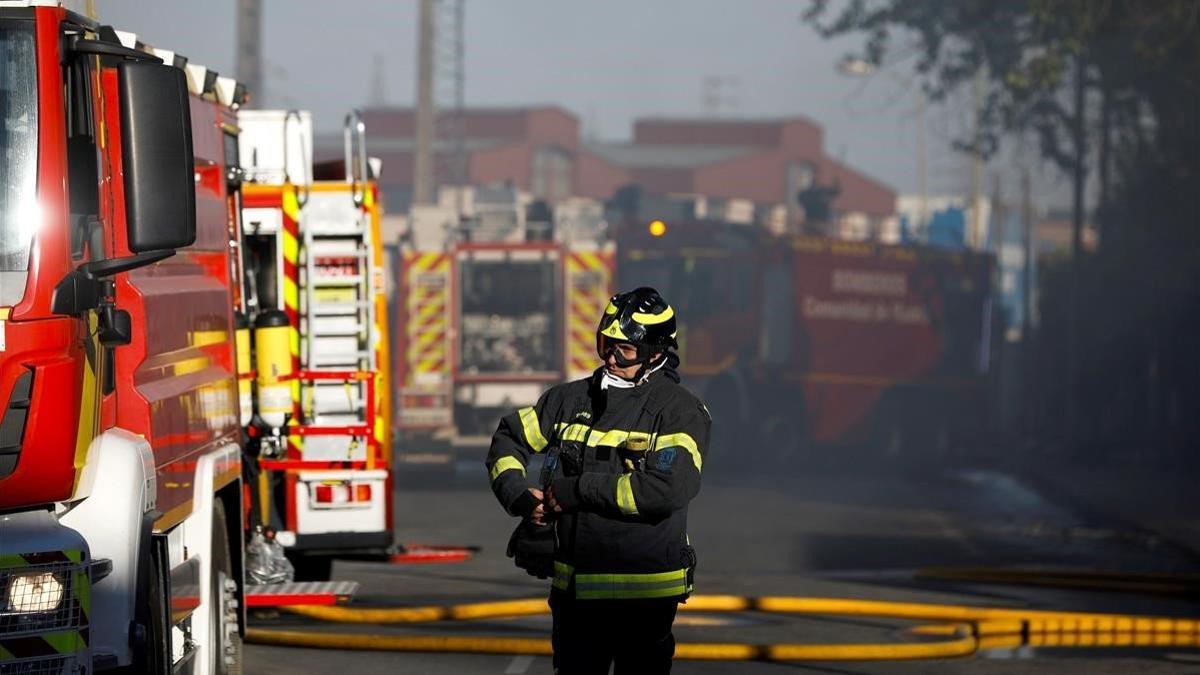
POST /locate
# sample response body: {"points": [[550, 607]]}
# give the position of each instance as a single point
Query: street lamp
{"points": [[858, 67]]}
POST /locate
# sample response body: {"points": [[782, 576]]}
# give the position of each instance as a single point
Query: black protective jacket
{"points": [[627, 463]]}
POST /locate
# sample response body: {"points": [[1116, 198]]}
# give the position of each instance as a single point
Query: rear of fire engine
{"points": [[491, 314], [120, 456], [813, 344], [320, 448]]}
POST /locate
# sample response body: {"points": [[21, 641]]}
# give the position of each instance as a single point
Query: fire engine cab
{"points": [[120, 447]]}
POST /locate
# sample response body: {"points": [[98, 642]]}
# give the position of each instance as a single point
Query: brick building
{"points": [[766, 161], [539, 150]]}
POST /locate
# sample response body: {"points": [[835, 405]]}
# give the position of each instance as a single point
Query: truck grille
{"points": [[17, 591]]}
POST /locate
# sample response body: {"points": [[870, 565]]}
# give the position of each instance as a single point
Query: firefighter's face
{"points": [[628, 353]]}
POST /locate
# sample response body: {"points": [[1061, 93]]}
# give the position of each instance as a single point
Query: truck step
{"points": [[300, 593]]}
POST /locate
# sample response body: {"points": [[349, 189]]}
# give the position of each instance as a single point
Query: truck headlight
{"points": [[34, 593]]}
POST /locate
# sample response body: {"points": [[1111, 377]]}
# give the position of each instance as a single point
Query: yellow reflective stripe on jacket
{"points": [[533, 431], [625, 500], [506, 464], [631, 586], [572, 432], [562, 575], [593, 438], [681, 441], [615, 437]]}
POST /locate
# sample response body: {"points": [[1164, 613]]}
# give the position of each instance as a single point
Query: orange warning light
{"points": [[657, 228]]}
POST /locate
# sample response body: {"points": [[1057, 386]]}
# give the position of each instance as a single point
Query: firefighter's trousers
{"points": [[590, 635]]}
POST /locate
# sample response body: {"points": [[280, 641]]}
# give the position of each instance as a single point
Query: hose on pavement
{"points": [[960, 631]]}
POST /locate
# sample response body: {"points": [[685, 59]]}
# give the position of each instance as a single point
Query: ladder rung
{"points": [[338, 232], [349, 280], [336, 309]]}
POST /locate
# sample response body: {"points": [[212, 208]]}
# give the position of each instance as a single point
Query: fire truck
{"points": [[120, 458], [803, 345], [316, 308], [492, 309]]}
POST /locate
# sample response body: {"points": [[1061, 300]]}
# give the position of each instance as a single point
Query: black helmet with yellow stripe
{"points": [[640, 317]]}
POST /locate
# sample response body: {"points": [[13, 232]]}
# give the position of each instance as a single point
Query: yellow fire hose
{"points": [[963, 630]]}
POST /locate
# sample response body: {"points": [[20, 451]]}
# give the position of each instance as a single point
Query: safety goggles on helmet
{"points": [[619, 350]]}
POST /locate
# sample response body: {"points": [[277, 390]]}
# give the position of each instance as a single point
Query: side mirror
{"points": [[156, 133]]}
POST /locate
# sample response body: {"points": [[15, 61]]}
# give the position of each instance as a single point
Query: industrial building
{"points": [[736, 169]]}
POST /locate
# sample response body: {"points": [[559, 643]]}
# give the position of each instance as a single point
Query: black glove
{"points": [[531, 547]]}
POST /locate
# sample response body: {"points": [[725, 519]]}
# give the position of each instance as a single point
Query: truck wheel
{"points": [[223, 621], [152, 630]]}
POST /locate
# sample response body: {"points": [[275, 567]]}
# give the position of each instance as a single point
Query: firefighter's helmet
{"points": [[640, 317]]}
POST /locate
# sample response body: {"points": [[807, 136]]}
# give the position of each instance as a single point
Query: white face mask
{"points": [[610, 380]]}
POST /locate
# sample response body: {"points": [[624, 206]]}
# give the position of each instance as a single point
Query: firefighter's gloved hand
{"points": [[563, 495], [532, 548], [528, 505]]}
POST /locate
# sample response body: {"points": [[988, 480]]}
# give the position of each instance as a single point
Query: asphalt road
{"points": [[828, 532]]}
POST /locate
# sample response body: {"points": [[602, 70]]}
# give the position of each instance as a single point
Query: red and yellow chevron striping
{"points": [[589, 284], [427, 277]]}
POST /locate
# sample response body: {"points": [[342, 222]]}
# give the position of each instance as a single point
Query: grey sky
{"points": [[607, 61]]}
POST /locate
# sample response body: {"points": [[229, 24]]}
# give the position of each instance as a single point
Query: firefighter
{"points": [[623, 452]]}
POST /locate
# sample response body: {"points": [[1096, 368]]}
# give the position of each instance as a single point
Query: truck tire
{"points": [[223, 621], [151, 640]]}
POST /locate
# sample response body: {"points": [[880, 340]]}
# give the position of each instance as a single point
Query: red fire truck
{"points": [[490, 311], [802, 342], [320, 451], [120, 458]]}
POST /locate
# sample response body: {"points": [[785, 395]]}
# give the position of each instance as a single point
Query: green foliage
{"points": [[1117, 342], [1027, 50]]}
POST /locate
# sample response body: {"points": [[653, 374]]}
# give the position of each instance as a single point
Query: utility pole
{"points": [[1105, 161], [922, 171], [975, 236], [249, 49], [1028, 361], [1079, 124], [425, 127], [449, 93]]}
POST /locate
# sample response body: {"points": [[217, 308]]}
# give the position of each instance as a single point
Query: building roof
{"points": [[472, 109], [330, 142], [730, 121], [667, 156]]}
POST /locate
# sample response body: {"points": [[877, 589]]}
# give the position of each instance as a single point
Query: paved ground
{"points": [[1158, 498], [831, 532]]}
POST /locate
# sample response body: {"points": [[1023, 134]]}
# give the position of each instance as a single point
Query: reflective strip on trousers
{"points": [[631, 586], [506, 464], [533, 431]]}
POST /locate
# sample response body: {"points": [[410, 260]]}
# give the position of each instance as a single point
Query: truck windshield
{"points": [[19, 213]]}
